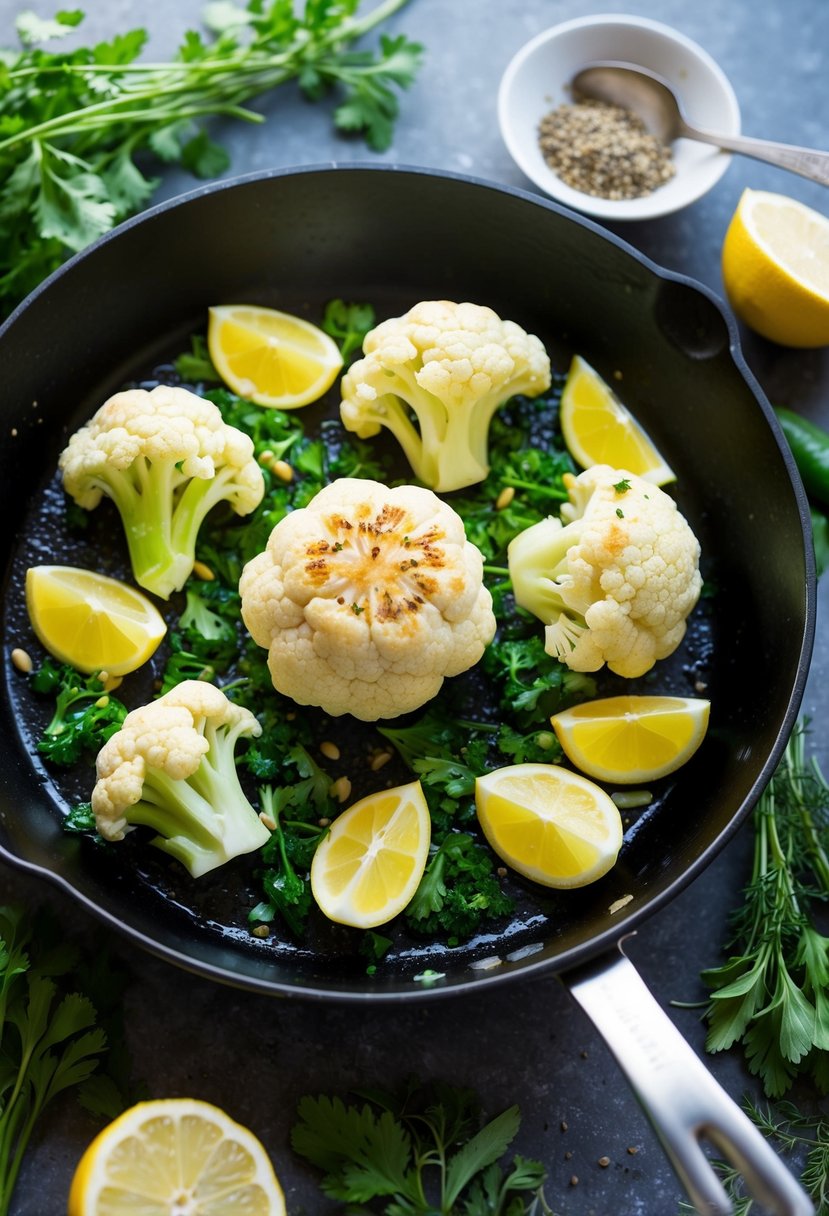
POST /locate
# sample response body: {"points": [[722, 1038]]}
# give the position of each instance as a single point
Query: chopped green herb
{"points": [[84, 717], [427, 1140], [348, 324]]}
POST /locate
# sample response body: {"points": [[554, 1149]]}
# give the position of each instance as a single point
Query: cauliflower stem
{"points": [[171, 767], [165, 457], [205, 820], [162, 511], [435, 377]]}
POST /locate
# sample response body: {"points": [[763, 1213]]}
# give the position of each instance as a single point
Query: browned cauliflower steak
{"points": [[367, 599]]}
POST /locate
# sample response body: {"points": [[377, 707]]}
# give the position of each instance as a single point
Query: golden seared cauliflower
{"points": [[165, 457], [435, 377], [367, 599], [614, 578], [171, 767]]}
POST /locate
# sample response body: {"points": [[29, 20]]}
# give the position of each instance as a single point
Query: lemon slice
{"points": [[630, 739], [175, 1156], [775, 267], [271, 357], [548, 823], [598, 429], [90, 621], [368, 867]]}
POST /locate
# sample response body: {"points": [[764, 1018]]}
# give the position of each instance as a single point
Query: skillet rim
{"points": [[598, 943]]}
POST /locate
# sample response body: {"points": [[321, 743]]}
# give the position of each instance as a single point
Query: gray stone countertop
{"points": [[524, 1043]]}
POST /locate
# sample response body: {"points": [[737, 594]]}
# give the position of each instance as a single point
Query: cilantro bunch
{"points": [[420, 1152], [76, 127]]}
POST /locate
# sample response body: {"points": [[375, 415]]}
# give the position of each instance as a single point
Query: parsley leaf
{"points": [[50, 1036], [74, 127], [425, 1148]]}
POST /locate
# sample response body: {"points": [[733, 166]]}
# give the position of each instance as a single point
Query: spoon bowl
{"points": [[538, 79], [654, 101]]}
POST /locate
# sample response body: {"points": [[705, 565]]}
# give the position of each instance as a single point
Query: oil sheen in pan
{"points": [[218, 903]]}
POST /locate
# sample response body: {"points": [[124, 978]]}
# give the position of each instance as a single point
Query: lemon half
{"points": [[548, 823], [91, 621], [368, 867], [775, 267], [599, 429], [175, 1155], [631, 739], [270, 357]]}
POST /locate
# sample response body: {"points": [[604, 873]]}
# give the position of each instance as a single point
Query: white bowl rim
{"points": [[649, 206]]}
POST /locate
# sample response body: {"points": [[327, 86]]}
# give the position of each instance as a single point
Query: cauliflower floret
{"points": [[453, 365], [367, 599], [614, 579], [171, 767], [164, 457]]}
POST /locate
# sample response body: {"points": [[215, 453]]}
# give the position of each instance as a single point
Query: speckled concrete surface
{"points": [[526, 1043]]}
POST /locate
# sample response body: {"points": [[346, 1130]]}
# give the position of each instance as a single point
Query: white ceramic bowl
{"points": [[537, 80]]}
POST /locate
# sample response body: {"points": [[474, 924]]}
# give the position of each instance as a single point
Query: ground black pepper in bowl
{"points": [[604, 150]]}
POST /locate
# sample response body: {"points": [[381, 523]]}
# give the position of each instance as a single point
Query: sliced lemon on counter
{"points": [[599, 429], [630, 739], [548, 823], [91, 621], [174, 1156], [368, 867], [775, 267], [270, 357]]}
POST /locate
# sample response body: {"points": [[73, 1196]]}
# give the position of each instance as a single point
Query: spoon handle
{"points": [[808, 162]]}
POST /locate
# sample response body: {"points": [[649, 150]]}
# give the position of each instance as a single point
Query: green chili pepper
{"points": [[810, 447]]}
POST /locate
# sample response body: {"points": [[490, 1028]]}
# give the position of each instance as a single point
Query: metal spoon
{"points": [[647, 95]]}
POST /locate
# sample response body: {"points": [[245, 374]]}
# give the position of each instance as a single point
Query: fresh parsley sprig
{"points": [[772, 994], [423, 1151], [76, 127], [50, 1037]]}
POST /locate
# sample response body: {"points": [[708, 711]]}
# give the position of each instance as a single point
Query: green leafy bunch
{"points": [[77, 126], [423, 1151], [51, 1036], [772, 994]]}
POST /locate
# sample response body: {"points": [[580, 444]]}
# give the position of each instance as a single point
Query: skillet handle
{"points": [[680, 1097]]}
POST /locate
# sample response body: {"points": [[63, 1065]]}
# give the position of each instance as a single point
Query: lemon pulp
{"points": [[551, 825], [599, 429], [631, 739], [368, 867], [271, 358], [175, 1155], [775, 266], [91, 621]]}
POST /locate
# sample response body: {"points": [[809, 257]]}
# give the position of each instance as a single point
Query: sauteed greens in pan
{"points": [[307, 757]]}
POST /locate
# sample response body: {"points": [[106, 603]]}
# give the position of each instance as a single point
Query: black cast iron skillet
{"points": [[294, 240]]}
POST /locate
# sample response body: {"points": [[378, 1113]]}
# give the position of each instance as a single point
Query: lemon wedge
{"points": [[368, 867], [171, 1156], [599, 429], [548, 823], [270, 357], [91, 621], [775, 267], [630, 739]]}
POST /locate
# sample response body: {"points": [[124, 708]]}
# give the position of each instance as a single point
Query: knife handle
{"points": [[679, 1095]]}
